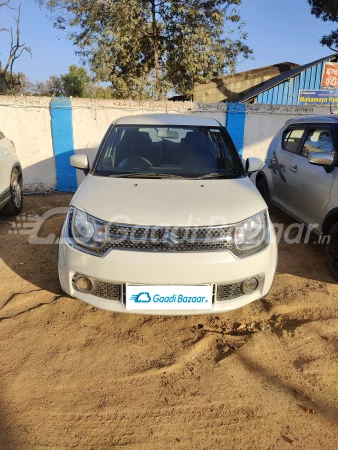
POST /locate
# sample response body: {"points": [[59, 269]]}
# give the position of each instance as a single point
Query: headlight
{"points": [[252, 233], [86, 230]]}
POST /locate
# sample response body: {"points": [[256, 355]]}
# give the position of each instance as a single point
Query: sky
{"points": [[278, 31]]}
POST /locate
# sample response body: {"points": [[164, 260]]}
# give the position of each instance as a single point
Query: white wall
{"points": [[26, 121]]}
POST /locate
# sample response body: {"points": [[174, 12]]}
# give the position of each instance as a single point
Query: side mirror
{"points": [[321, 159], [253, 165], [80, 162]]}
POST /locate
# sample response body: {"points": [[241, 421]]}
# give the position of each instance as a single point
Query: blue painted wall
{"points": [[63, 143], [235, 124], [287, 92]]}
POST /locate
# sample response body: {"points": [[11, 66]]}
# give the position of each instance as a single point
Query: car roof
{"points": [[332, 118], [168, 120]]}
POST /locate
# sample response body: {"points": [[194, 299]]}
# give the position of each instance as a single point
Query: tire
{"points": [[14, 206], [263, 189], [331, 251]]}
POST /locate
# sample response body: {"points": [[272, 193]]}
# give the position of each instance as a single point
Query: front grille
{"points": [[171, 239], [229, 291], [107, 290], [168, 239]]}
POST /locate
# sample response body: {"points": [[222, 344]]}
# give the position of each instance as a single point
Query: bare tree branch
{"points": [[16, 50], [6, 3]]}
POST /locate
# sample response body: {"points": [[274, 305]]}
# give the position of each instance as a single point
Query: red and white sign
{"points": [[330, 75]]}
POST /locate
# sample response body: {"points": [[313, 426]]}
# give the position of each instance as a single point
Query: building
{"points": [[233, 88], [285, 88]]}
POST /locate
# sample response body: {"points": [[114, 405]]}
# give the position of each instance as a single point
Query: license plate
{"points": [[140, 297]]}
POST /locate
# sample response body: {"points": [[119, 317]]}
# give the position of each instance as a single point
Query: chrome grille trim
{"points": [[184, 238]]}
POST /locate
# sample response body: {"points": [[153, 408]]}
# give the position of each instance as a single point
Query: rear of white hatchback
{"points": [[10, 178], [167, 222]]}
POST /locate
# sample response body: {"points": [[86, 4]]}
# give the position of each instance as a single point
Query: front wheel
{"points": [[331, 251], [14, 206]]}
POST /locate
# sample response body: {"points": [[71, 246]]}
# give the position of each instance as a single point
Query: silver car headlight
{"points": [[86, 230], [252, 234]]}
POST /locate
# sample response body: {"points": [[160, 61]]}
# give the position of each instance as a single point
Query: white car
{"points": [[167, 221], [10, 178]]}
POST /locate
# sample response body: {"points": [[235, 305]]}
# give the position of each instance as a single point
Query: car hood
{"points": [[172, 202]]}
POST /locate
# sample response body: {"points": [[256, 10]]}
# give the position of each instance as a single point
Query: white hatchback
{"points": [[167, 221], [10, 178]]}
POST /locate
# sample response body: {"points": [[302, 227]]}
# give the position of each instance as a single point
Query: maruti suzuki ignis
{"points": [[167, 221]]}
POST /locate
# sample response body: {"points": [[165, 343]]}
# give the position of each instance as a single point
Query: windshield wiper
{"points": [[146, 175]]}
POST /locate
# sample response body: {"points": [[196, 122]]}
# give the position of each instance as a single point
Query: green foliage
{"points": [[94, 91], [53, 87], [144, 48], [18, 84], [75, 81], [327, 10]]}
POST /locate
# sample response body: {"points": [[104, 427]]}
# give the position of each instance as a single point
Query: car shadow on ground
{"points": [[29, 247], [291, 391], [299, 252], [8, 432]]}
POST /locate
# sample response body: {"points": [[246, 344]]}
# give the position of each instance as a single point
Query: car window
{"points": [[187, 151], [318, 140], [291, 139]]}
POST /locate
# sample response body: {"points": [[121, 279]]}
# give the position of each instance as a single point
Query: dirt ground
{"points": [[73, 376]]}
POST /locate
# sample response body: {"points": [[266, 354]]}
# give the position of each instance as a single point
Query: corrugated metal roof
{"points": [[283, 77]]}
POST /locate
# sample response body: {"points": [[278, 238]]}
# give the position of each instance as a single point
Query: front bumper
{"points": [[161, 268]]}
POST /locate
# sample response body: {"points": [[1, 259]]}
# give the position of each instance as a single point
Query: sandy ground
{"points": [[73, 376]]}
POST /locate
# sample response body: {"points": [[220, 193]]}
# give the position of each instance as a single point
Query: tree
{"points": [[75, 81], [327, 10], [7, 78], [94, 91], [53, 87], [22, 85], [146, 47]]}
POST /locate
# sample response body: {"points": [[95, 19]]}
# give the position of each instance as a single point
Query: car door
{"points": [[313, 183], [282, 166], [4, 165]]}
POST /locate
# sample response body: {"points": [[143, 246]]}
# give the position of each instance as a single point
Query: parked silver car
{"points": [[300, 176], [10, 178]]}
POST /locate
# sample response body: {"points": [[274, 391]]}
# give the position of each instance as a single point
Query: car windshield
{"points": [[156, 151]]}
